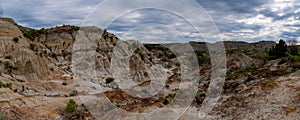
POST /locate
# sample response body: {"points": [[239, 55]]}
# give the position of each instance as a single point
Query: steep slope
{"points": [[38, 67], [18, 58]]}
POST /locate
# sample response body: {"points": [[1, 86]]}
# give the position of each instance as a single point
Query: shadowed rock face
{"points": [[39, 66]]}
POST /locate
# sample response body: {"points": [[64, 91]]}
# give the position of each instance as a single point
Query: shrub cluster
{"points": [[5, 85], [71, 106], [109, 80], [16, 39], [279, 50]]}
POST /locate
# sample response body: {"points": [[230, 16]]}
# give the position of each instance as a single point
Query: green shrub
{"points": [[1, 117], [164, 59], [64, 83], [32, 33], [71, 106], [8, 65], [279, 50], [137, 50], [282, 60], [234, 84], [231, 50], [32, 47], [205, 59], [233, 74], [109, 80], [53, 55], [75, 28], [169, 98], [20, 80], [294, 58], [5, 85], [16, 39], [8, 57], [289, 69], [177, 64]]}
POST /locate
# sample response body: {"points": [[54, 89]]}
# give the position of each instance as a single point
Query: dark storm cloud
{"points": [[250, 20]]}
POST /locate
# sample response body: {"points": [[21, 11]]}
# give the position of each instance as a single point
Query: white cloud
{"points": [[242, 20]]}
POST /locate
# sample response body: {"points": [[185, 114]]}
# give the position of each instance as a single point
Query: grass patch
{"points": [[9, 66], [71, 106], [5, 85], [233, 74]]}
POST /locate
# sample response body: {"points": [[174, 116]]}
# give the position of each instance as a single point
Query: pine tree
{"points": [[279, 50]]}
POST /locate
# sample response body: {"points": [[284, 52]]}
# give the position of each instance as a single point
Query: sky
{"points": [[236, 20]]}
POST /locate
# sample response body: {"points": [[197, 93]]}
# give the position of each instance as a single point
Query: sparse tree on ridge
{"points": [[279, 50]]}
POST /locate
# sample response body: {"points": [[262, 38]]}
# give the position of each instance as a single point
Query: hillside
{"points": [[37, 77]]}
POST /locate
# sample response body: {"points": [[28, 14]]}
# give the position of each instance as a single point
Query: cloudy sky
{"points": [[251, 20]]}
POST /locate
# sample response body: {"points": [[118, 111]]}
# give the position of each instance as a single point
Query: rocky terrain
{"points": [[40, 76]]}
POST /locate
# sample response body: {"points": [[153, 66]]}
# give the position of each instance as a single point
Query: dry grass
{"points": [[289, 110], [269, 85]]}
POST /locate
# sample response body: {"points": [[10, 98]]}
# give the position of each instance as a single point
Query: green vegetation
{"points": [[232, 74], [199, 94], [71, 106], [32, 33], [177, 64], [16, 39], [5, 85], [283, 60], [153, 47], [109, 80], [75, 28], [169, 98], [203, 60], [293, 50], [53, 55], [289, 69], [279, 50], [32, 47], [231, 50], [233, 84], [137, 50], [1, 117], [8, 20], [8, 65], [65, 83], [294, 58], [203, 57], [164, 59], [8, 57], [20, 80]]}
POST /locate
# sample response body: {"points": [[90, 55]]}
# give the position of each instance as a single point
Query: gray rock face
{"points": [[19, 57]]}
